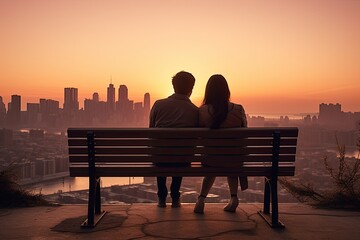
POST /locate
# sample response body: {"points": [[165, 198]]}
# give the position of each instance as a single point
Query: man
{"points": [[175, 111]]}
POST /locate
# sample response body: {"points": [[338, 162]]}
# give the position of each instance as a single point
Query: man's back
{"points": [[174, 111]]}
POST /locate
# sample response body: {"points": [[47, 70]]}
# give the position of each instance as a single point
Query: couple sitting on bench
{"points": [[217, 111]]}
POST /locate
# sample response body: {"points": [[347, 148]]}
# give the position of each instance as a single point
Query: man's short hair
{"points": [[183, 82]]}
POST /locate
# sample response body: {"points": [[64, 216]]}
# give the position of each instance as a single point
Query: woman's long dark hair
{"points": [[217, 94]]}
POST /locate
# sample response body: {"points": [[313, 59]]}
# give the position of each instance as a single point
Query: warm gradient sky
{"points": [[279, 56]]}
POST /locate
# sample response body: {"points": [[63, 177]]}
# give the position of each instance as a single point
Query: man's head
{"points": [[183, 83]]}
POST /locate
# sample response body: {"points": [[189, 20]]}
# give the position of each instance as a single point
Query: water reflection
{"points": [[69, 184]]}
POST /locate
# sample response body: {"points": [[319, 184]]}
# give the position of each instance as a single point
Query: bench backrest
{"points": [[248, 146]]}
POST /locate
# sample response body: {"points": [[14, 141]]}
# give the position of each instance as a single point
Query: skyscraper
{"points": [[95, 97], [146, 105], [49, 106], [111, 98], [123, 93], [122, 99], [14, 110], [71, 102], [33, 112], [2, 112]]}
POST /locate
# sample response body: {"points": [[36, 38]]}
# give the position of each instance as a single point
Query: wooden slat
{"points": [[189, 142], [182, 133], [151, 170], [150, 158], [184, 150]]}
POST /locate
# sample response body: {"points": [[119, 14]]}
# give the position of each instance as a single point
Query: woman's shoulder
{"points": [[205, 109], [236, 107]]}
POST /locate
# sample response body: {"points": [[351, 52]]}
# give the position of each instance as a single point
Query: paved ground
{"points": [[146, 221]]}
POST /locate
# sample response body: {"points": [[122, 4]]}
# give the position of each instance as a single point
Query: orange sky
{"points": [[278, 56]]}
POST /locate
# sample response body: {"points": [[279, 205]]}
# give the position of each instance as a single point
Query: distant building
{"points": [[49, 106], [44, 166], [256, 121], [2, 112], [123, 99], [71, 105], [33, 113], [111, 98], [71, 102], [95, 97], [329, 111], [6, 137], [146, 105], [26, 170], [331, 117], [14, 111], [50, 112], [61, 164]]}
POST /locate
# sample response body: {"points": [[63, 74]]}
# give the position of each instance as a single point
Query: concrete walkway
{"points": [[147, 221]]}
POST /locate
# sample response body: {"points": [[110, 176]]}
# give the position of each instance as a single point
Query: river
{"points": [[68, 184]]}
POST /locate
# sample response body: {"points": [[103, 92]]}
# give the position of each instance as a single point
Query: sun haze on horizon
{"points": [[278, 56]]}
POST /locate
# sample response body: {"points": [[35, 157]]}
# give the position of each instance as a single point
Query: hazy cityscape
{"points": [[33, 143]]}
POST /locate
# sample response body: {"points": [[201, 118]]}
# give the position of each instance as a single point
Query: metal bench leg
{"points": [[97, 197], [272, 183], [266, 208], [94, 204]]}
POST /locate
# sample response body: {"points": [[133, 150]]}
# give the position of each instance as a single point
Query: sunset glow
{"points": [[278, 56]]}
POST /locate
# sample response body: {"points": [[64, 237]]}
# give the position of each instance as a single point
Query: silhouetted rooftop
{"points": [[147, 221]]}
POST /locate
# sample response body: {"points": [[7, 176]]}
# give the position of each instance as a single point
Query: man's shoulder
{"points": [[161, 102], [173, 102]]}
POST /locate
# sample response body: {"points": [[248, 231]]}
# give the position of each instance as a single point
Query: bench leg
{"points": [[97, 197], [272, 184], [266, 208], [270, 192], [94, 204]]}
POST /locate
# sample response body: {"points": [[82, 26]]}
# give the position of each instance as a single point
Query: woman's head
{"points": [[217, 90], [217, 96]]}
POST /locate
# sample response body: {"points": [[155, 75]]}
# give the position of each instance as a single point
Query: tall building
{"points": [[14, 110], [329, 110], [71, 102], [111, 98], [50, 112], [95, 97], [147, 103], [2, 112], [33, 112], [123, 99], [71, 106], [123, 93], [331, 116]]}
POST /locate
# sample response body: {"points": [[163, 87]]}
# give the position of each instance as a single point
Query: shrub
{"points": [[11, 193], [345, 178]]}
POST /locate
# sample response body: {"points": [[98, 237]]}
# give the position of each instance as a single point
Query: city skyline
{"points": [[278, 56], [113, 94], [114, 98], [48, 113]]}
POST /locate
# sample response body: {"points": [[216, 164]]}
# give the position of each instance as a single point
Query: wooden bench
{"points": [[118, 152]]}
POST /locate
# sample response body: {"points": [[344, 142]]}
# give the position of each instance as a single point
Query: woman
{"points": [[218, 112]]}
